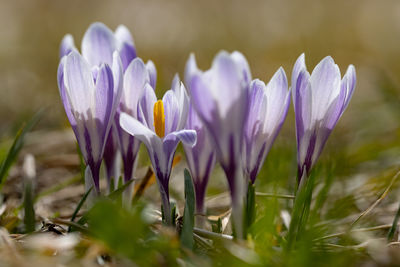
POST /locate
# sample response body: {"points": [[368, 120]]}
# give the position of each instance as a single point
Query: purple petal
{"points": [[277, 92], [190, 70], [193, 120], [244, 65], [137, 129], [151, 68], [226, 82], [67, 45], [325, 87], [146, 107], [299, 66], [79, 83], [187, 137], [183, 101], [104, 95], [135, 79], [99, 120], [98, 44], [64, 97], [257, 108], [123, 35], [111, 154], [349, 82], [334, 111], [125, 45], [202, 98], [118, 79], [302, 99], [171, 111]]}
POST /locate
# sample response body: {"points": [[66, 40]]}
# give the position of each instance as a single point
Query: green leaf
{"points": [[127, 233], [301, 210], [116, 194], [394, 225], [173, 213], [78, 208], [17, 145], [188, 214], [250, 212]]}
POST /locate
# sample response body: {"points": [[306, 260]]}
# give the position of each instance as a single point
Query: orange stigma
{"points": [[159, 118]]}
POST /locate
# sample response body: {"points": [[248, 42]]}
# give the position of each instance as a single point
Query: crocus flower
{"points": [[268, 108], [220, 97], [98, 43], [160, 126], [99, 46], [137, 76], [200, 159], [90, 96], [319, 101]]}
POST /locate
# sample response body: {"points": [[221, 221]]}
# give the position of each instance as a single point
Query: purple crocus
{"points": [[200, 159], [220, 96], [319, 101], [98, 43], [268, 108], [160, 127], [137, 76], [98, 47], [90, 95]]}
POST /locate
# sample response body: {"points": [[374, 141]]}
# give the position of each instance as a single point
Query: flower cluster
{"points": [[222, 115]]}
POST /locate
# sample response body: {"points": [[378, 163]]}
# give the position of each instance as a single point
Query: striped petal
{"points": [[98, 44]]}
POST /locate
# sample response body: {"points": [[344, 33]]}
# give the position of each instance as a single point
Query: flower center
{"points": [[159, 118]]}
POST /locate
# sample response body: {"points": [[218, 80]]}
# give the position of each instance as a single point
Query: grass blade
{"points": [[250, 212], [17, 145], [118, 193], [394, 225], [78, 208]]}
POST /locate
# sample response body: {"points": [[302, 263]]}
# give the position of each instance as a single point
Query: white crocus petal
{"points": [[299, 66], [122, 34], [349, 81], [325, 87], [98, 44], [137, 129], [190, 69], [151, 69], [302, 100], [67, 45], [79, 83], [135, 79], [241, 61], [225, 78], [146, 107], [276, 91], [118, 79], [171, 111], [183, 102], [202, 98], [187, 137]]}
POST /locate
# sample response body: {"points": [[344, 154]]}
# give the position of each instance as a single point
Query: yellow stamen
{"points": [[159, 118]]}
